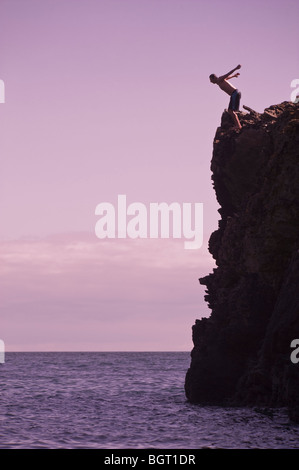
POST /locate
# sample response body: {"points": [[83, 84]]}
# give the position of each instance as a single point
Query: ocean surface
{"points": [[121, 401]]}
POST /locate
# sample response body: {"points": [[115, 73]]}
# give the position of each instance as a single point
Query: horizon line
{"points": [[98, 351]]}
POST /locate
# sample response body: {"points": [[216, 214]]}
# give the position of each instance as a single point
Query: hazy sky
{"points": [[109, 97]]}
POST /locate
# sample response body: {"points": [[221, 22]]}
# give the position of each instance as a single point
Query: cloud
{"points": [[74, 289]]}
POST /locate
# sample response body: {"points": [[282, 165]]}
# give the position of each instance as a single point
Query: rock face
{"points": [[241, 353]]}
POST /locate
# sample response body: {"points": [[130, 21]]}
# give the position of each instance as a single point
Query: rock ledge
{"points": [[241, 353]]}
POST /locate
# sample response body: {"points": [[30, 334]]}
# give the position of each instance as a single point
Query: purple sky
{"points": [[107, 97]]}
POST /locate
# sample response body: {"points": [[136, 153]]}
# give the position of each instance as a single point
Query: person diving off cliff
{"points": [[234, 94]]}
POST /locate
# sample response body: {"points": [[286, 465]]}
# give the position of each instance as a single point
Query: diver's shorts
{"points": [[234, 102]]}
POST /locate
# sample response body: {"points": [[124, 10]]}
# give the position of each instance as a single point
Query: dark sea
{"points": [[122, 401]]}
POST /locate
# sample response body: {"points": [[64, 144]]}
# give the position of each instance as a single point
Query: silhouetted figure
{"points": [[234, 94]]}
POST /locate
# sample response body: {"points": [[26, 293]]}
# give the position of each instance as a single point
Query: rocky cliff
{"points": [[241, 353]]}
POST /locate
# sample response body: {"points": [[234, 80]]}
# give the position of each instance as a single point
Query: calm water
{"points": [[121, 400]]}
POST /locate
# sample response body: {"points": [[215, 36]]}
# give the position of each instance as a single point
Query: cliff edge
{"points": [[241, 353]]}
